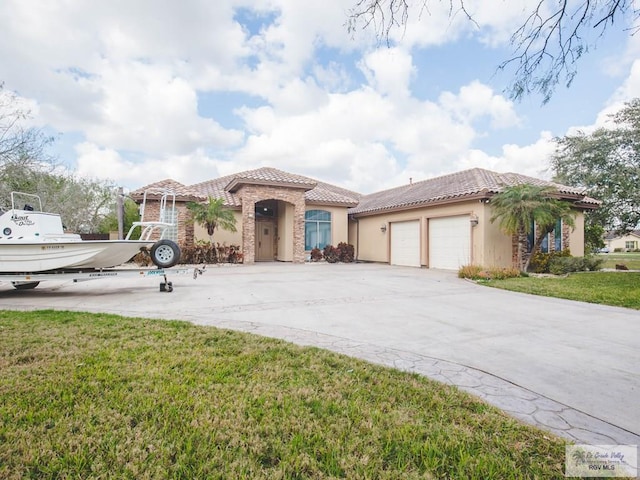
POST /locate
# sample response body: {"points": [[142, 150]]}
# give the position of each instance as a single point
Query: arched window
{"points": [[317, 229]]}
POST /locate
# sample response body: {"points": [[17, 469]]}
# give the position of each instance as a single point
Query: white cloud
{"points": [[532, 160], [290, 89], [97, 162], [389, 72], [477, 100]]}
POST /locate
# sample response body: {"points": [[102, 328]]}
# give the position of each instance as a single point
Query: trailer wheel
{"points": [[165, 253], [25, 285]]}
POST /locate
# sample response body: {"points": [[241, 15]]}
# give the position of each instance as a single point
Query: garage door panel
{"points": [[449, 242], [405, 243]]}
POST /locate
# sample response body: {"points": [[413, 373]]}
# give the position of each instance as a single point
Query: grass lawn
{"points": [[631, 260], [87, 396], [621, 289]]}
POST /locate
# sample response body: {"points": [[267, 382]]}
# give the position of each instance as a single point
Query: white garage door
{"points": [[405, 243], [449, 242]]}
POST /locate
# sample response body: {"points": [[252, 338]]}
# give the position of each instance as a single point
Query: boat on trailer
{"points": [[34, 246]]}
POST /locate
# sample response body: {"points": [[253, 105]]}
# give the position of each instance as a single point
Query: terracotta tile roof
{"points": [[316, 191], [475, 182], [156, 189], [216, 189], [271, 176]]}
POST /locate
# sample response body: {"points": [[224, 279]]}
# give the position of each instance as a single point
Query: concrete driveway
{"points": [[570, 367]]}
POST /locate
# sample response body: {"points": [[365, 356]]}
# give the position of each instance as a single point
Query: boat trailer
{"points": [[28, 281]]}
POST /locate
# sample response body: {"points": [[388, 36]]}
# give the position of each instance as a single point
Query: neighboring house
{"points": [[442, 222], [625, 243]]}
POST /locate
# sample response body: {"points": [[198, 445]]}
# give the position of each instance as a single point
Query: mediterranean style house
{"points": [[442, 222]]}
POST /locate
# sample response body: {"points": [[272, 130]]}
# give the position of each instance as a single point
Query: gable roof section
{"points": [[315, 191], [155, 190], [271, 177], [466, 185]]}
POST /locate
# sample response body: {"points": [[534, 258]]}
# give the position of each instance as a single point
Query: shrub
{"points": [[469, 271], [331, 254], [564, 265], [235, 255], [316, 255], [342, 253], [346, 252], [500, 273], [205, 252], [199, 252], [477, 272], [618, 250], [540, 262]]}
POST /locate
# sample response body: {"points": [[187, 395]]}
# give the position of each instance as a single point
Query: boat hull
{"points": [[48, 256]]}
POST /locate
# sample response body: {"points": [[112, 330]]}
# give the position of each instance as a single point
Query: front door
{"points": [[264, 241]]}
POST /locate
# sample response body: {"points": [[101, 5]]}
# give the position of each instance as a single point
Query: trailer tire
{"points": [[165, 253], [25, 285]]}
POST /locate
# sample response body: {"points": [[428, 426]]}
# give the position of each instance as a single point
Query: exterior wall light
{"points": [[383, 227], [473, 219]]}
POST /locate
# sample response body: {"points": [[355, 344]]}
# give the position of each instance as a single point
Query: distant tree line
{"points": [[86, 205]]}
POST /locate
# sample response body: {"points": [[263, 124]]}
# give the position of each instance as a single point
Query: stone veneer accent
{"points": [[566, 232], [185, 223], [252, 194]]}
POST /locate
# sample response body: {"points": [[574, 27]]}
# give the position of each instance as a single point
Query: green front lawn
{"points": [[87, 396], [620, 289], [631, 260]]}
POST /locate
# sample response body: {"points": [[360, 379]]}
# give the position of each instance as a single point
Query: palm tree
{"points": [[518, 208], [212, 215]]}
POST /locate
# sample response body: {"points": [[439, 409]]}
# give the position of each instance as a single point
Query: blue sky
{"points": [[137, 92]]}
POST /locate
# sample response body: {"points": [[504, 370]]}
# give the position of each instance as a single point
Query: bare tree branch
{"points": [[546, 46]]}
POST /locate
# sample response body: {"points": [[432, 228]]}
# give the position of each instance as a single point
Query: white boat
{"points": [[34, 241]]}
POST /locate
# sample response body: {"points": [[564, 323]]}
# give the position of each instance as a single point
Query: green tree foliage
{"points": [[547, 45], [212, 215], [26, 166], [607, 164], [131, 214], [517, 208], [593, 234]]}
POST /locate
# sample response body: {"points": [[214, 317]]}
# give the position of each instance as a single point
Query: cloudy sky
{"points": [[139, 91]]}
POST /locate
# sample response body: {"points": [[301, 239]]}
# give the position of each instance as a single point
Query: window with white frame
{"points": [[317, 229]]}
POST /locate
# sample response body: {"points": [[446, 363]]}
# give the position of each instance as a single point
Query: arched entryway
{"points": [[272, 223]]}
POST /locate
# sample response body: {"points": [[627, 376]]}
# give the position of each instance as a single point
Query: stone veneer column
{"points": [[252, 194], [298, 231], [248, 229], [566, 235]]}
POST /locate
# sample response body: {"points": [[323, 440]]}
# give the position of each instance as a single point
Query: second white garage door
{"points": [[405, 243], [449, 242]]}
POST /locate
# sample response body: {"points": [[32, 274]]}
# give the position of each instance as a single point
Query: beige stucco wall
{"points": [[372, 244], [490, 247], [576, 236], [285, 232]]}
